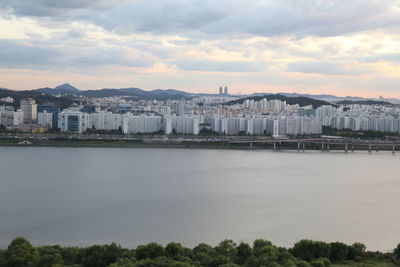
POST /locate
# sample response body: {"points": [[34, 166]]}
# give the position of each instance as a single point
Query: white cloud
{"points": [[293, 43]]}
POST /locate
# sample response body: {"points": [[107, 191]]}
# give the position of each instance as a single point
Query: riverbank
{"points": [[188, 143]]}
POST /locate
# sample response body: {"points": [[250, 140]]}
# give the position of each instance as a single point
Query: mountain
{"points": [[300, 100], [364, 102], [41, 98], [68, 90], [323, 97], [332, 98], [66, 87], [133, 93]]}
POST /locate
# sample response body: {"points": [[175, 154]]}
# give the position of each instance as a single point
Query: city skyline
{"points": [[306, 46]]}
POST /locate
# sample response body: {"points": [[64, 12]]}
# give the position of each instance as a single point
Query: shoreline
{"points": [[222, 145]]}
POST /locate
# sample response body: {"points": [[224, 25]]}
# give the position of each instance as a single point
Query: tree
{"points": [[149, 251], [124, 262], [3, 261], [174, 250], [93, 256], [397, 250], [227, 248], [50, 256], [321, 262], [261, 246], [71, 255], [339, 251], [244, 251], [304, 249], [204, 255], [20, 253], [97, 256], [309, 250], [356, 250]]}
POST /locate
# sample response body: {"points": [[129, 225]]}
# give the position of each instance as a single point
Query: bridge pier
{"points": [[369, 148], [274, 145], [304, 146], [352, 148], [394, 149], [346, 147], [251, 144], [298, 146], [328, 147], [377, 148], [322, 147]]}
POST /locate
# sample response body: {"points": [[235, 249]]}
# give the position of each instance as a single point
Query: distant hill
{"points": [[364, 102], [300, 100], [62, 90], [41, 98], [68, 90], [136, 93], [66, 87]]}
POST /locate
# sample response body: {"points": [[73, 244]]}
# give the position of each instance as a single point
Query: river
{"points": [[85, 196]]}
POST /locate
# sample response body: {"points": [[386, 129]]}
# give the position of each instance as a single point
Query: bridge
{"points": [[326, 144]]}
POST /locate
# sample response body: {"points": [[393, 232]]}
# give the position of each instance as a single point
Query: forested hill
{"points": [[364, 102], [300, 100], [40, 98]]}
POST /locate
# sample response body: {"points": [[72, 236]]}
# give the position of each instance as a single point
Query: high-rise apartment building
{"points": [[29, 110]]}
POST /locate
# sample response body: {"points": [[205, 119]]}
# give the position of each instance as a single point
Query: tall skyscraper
{"points": [[225, 90], [221, 90], [29, 110]]}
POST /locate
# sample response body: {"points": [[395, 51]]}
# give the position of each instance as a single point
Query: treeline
{"points": [[364, 102], [40, 98], [326, 130], [300, 100], [305, 253]]}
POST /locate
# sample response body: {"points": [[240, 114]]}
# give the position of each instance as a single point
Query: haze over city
{"points": [[305, 46]]}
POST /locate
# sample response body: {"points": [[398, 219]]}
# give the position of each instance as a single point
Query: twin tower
{"points": [[223, 91]]}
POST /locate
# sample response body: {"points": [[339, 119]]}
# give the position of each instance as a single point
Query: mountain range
{"points": [[159, 94], [68, 91]]}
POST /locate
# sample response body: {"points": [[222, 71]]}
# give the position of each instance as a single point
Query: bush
{"points": [[339, 251]]}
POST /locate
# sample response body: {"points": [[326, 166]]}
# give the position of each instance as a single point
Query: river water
{"points": [[84, 196]]}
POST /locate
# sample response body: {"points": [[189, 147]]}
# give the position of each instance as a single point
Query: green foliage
{"points": [[357, 134], [124, 262], [397, 250], [20, 253], [339, 251], [356, 251], [149, 251], [50, 256], [321, 262], [71, 255], [244, 251], [174, 250], [300, 100], [305, 253], [99, 256], [364, 102], [228, 249], [41, 98], [3, 261], [309, 250]]}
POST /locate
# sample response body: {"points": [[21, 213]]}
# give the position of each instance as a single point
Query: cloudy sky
{"points": [[341, 47]]}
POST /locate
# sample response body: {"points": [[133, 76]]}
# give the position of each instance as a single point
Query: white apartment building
{"points": [[45, 118], [73, 121]]}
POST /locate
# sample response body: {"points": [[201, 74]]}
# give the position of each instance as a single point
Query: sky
{"points": [[338, 47]]}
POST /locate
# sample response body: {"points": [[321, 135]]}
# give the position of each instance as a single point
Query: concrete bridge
{"points": [[326, 144]]}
